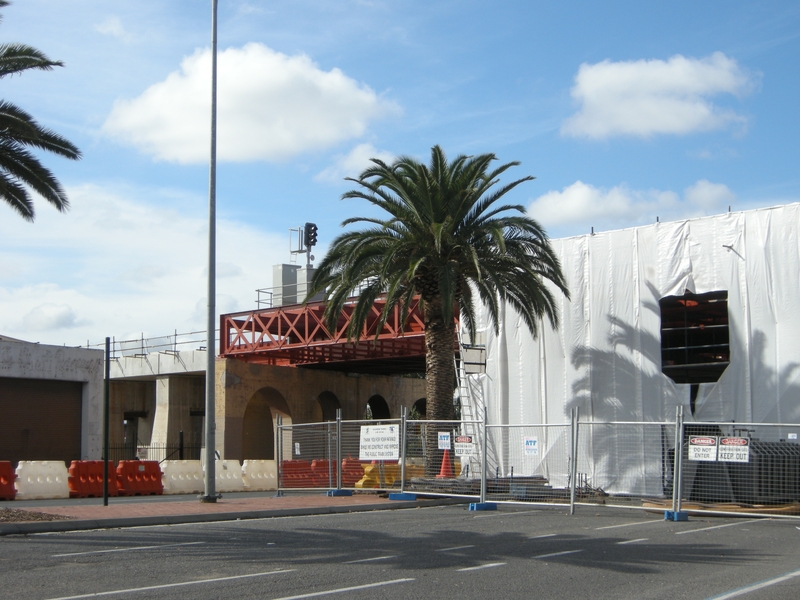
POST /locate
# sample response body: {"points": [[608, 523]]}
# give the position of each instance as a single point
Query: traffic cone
{"points": [[447, 467]]}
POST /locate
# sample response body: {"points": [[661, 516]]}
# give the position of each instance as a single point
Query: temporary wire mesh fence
{"points": [[624, 463], [443, 457], [308, 455], [528, 463], [741, 467], [722, 467]]}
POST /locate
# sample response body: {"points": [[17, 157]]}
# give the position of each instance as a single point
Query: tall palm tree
{"points": [[446, 240], [19, 131]]}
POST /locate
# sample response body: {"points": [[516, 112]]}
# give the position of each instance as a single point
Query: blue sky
{"points": [[623, 112]]}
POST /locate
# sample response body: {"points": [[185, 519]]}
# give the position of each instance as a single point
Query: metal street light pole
{"points": [[210, 494]]}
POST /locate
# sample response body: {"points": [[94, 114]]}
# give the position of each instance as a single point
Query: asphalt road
{"points": [[443, 552]]}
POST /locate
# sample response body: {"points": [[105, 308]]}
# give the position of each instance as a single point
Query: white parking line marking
{"points": [[629, 524], [486, 566], [546, 535], [171, 585], [347, 589], [719, 526], [757, 586], [507, 514], [455, 548], [558, 554], [126, 549], [632, 541], [352, 562]]}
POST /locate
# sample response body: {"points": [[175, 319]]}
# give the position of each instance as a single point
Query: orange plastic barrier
{"points": [[139, 478], [86, 479], [7, 477], [297, 474], [324, 472]]}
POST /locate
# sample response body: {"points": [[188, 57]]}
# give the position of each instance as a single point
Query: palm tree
{"points": [[446, 241], [19, 131]]}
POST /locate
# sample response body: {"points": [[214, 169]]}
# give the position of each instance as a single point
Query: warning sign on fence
{"points": [[379, 442], [464, 445], [444, 440], [702, 448], [734, 449], [531, 446]]}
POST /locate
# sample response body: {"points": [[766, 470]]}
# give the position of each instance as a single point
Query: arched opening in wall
{"points": [[419, 410], [377, 408], [328, 405], [260, 422]]}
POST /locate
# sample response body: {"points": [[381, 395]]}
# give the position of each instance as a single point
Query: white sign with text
{"points": [[703, 448], [464, 445], [379, 442], [734, 449]]}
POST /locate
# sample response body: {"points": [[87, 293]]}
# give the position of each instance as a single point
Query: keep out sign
{"points": [[734, 449]]}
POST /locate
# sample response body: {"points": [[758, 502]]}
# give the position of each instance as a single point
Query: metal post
{"points": [[574, 462], [484, 445], [330, 459], [279, 453], [677, 477], [338, 448], [403, 417], [106, 419], [210, 494], [180, 445]]}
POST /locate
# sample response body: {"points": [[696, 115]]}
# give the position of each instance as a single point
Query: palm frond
{"points": [[15, 58], [19, 133]]}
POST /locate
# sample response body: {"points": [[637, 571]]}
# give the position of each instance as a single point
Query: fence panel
{"points": [[377, 467], [443, 457], [308, 456], [625, 463], [741, 468], [528, 463]]}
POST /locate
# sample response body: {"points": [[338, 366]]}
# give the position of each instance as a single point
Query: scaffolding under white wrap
{"points": [[605, 359]]}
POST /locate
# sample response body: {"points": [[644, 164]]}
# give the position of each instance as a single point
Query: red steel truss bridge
{"points": [[297, 336]]}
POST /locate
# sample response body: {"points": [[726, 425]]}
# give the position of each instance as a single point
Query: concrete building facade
{"points": [[51, 399], [156, 396]]}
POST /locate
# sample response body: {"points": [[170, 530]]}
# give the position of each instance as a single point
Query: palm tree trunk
{"points": [[439, 379]]}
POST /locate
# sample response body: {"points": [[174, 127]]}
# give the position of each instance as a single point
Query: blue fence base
{"points": [[670, 515], [402, 496], [483, 506], [339, 493]]}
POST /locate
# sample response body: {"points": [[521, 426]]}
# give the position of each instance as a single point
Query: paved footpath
{"points": [[159, 512]]}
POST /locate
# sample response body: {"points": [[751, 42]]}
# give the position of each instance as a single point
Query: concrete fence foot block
{"points": [[483, 506], [402, 496], [670, 515], [339, 493]]}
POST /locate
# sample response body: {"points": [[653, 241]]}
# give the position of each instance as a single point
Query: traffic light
{"points": [[310, 235]]}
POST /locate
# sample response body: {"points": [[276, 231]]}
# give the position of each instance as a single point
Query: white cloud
{"points": [[646, 97], [582, 206], [708, 196], [352, 163], [113, 26], [270, 107], [113, 264], [47, 317]]}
